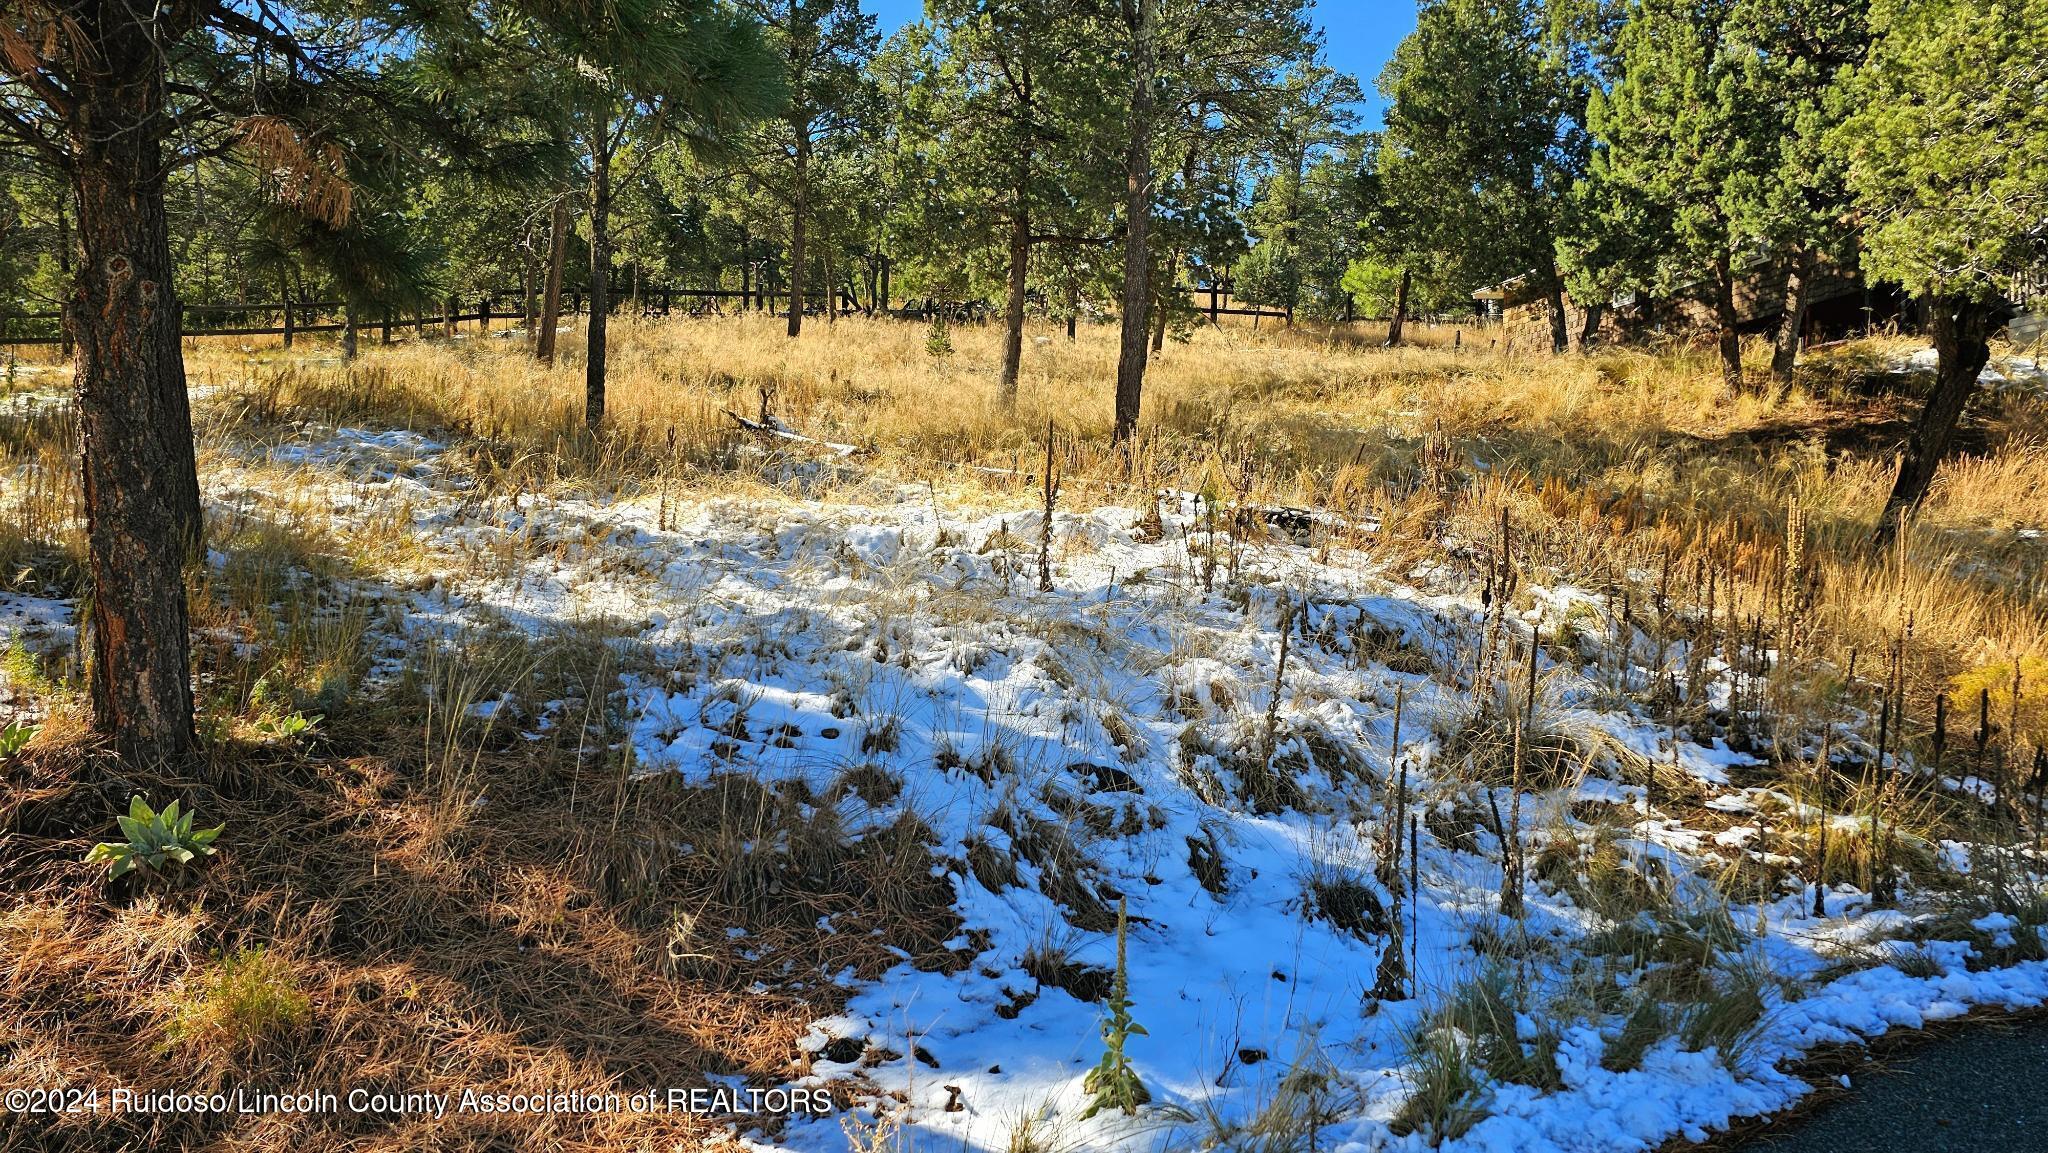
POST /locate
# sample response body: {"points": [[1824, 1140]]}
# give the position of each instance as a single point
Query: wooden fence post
{"points": [[387, 324], [483, 315], [453, 318]]}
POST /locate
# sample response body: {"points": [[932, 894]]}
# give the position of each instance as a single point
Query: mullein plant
{"points": [[155, 840], [1113, 1084]]}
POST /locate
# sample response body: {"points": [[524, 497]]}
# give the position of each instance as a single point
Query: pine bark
{"points": [[1589, 330], [1798, 287], [1013, 302], [1560, 331], [140, 476], [799, 209], [1139, 16], [551, 295], [1725, 321], [1396, 326], [1962, 330], [600, 280]]}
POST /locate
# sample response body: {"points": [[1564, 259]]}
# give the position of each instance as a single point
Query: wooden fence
{"points": [[292, 318]]}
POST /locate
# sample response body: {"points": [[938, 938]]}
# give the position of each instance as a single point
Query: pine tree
{"points": [[1483, 146], [1947, 156], [1788, 54], [1677, 135], [1189, 68], [1030, 105], [821, 48]]}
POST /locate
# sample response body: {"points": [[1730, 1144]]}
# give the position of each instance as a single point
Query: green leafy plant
{"points": [[15, 736], [154, 841], [938, 342], [1113, 1084], [247, 995], [285, 726]]}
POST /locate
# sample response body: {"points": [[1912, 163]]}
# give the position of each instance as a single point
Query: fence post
{"points": [[287, 321], [483, 315], [387, 324], [453, 318], [1214, 294]]}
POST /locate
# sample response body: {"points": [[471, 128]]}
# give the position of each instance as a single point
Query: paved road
{"points": [[1985, 1088]]}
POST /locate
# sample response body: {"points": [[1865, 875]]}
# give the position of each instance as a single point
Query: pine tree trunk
{"points": [[830, 285], [551, 295], [600, 281], [1159, 310], [1560, 330], [1400, 321], [1798, 286], [799, 208], [1137, 290], [68, 345], [1013, 303], [1725, 320], [348, 330], [140, 476], [529, 290], [1589, 330], [746, 271], [1962, 331]]}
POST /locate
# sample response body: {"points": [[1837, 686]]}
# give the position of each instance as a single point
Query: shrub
{"points": [[1450, 1096], [248, 996]]}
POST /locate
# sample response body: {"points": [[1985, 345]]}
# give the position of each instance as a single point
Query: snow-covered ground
{"points": [[1107, 741], [2002, 374]]}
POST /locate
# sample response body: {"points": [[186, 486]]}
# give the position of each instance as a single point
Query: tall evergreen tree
{"points": [[821, 48], [1298, 203], [1188, 67], [1678, 136], [89, 90], [1947, 155], [1483, 145], [691, 73], [1793, 201], [1026, 85], [116, 97]]}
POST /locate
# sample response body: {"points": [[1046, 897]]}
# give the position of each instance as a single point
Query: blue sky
{"points": [[1359, 34]]}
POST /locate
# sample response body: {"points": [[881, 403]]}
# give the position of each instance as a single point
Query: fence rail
{"points": [[297, 317]]}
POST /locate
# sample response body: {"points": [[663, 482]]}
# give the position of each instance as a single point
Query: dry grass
{"points": [[440, 905], [360, 931], [1612, 460]]}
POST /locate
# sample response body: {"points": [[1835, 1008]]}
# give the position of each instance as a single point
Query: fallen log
{"points": [[775, 428]]}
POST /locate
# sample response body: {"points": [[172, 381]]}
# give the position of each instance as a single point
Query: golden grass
{"points": [[554, 935], [1627, 461], [359, 932]]}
